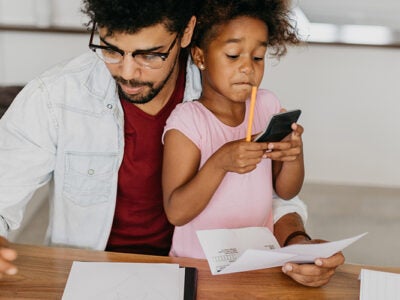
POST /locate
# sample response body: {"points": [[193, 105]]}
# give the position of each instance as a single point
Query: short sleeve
{"points": [[186, 118]]}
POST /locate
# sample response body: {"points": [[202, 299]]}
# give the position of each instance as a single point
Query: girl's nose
{"points": [[246, 66]]}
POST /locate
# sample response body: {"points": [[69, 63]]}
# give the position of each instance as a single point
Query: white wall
{"points": [[350, 97], [2, 61], [24, 56], [33, 12]]}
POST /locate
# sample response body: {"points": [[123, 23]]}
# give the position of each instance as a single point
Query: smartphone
{"points": [[279, 126]]}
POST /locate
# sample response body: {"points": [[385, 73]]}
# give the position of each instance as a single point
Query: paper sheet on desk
{"points": [[253, 248], [112, 280], [379, 285]]}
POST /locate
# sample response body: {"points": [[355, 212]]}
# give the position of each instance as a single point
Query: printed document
{"points": [[252, 248]]}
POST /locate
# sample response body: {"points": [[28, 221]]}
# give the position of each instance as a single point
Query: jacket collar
{"points": [[99, 81]]}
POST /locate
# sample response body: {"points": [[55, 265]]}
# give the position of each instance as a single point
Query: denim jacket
{"points": [[66, 127]]}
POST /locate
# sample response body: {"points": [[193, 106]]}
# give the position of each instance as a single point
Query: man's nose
{"points": [[130, 69]]}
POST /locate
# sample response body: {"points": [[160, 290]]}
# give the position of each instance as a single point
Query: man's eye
{"points": [[148, 57], [110, 52]]}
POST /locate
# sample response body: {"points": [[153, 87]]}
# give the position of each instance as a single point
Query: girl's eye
{"points": [[258, 58], [232, 56]]}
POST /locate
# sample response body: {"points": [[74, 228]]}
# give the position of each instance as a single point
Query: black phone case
{"points": [[279, 126]]}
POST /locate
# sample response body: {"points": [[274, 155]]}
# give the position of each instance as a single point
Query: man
{"points": [[92, 127]]}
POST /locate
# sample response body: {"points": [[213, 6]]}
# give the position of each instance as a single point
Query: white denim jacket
{"points": [[66, 127]]}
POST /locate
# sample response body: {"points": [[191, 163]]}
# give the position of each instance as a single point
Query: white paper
{"points": [[122, 281], [305, 253], [182, 283], [379, 285], [222, 247], [252, 248]]}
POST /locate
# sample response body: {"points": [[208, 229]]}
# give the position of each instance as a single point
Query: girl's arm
{"points": [[187, 189], [288, 164]]}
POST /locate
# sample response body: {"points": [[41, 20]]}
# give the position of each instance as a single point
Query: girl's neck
{"points": [[228, 112]]}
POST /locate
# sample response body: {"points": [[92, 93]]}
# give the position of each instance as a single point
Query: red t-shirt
{"points": [[140, 224]]}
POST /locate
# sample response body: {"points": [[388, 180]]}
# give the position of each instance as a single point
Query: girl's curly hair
{"points": [[130, 16], [274, 13]]}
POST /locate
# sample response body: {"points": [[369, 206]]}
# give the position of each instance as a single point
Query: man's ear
{"points": [[198, 57], [188, 33]]}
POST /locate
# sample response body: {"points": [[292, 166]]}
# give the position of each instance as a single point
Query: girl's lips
{"points": [[243, 83]]}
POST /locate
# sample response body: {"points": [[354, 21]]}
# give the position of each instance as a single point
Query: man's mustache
{"points": [[132, 83]]}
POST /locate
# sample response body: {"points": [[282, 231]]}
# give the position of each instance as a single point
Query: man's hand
{"points": [[7, 255], [317, 274]]}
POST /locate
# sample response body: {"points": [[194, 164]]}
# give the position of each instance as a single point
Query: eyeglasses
{"points": [[113, 55]]}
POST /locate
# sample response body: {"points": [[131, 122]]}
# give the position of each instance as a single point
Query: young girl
{"points": [[212, 177]]}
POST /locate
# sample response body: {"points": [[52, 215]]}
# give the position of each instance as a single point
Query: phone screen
{"points": [[279, 126]]}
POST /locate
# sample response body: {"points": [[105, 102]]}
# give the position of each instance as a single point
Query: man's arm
{"points": [[316, 274], [28, 138], [287, 225], [27, 143], [282, 207]]}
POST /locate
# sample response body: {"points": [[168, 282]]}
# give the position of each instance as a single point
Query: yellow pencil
{"points": [[251, 114]]}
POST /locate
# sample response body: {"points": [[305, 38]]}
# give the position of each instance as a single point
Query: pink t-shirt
{"points": [[242, 200]]}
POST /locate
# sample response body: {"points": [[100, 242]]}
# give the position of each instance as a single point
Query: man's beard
{"points": [[138, 99], [154, 90]]}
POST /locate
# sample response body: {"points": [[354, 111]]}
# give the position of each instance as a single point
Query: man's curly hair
{"points": [[274, 13], [130, 16]]}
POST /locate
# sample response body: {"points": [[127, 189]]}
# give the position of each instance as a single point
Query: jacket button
{"points": [[109, 106], [90, 171]]}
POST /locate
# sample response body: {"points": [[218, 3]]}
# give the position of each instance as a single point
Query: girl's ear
{"points": [[188, 33], [198, 57]]}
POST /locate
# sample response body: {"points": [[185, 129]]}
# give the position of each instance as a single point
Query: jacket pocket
{"points": [[88, 177]]}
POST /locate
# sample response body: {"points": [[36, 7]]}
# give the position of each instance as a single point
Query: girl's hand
{"points": [[239, 156], [289, 149]]}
